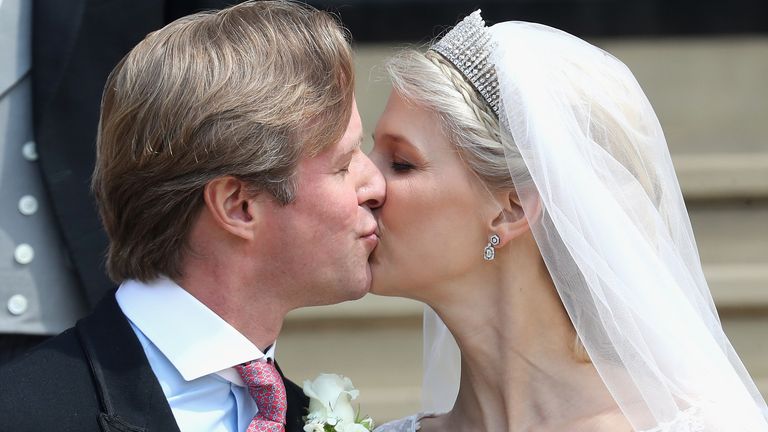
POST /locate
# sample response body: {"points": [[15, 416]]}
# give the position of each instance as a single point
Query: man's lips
{"points": [[371, 231], [371, 237]]}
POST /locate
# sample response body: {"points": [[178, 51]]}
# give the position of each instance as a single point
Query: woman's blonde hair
{"points": [[246, 91]]}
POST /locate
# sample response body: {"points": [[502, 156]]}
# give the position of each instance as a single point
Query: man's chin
{"points": [[352, 291], [358, 294], [363, 287]]}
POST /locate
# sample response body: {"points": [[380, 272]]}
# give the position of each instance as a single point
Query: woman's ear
{"points": [[510, 221], [230, 206]]}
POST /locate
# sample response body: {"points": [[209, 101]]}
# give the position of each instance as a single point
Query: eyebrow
{"points": [[401, 140], [351, 150], [393, 137]]}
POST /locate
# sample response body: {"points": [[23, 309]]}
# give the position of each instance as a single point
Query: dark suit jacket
{"points": [[95, 377]]}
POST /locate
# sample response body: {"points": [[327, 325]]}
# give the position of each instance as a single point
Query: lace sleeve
{"points": [[689, 420], [407, 424]]}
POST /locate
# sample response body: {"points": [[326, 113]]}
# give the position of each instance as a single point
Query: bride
{"points": [[533, 206]]}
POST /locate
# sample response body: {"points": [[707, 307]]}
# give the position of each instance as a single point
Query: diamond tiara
{"points": [[468, 47]]}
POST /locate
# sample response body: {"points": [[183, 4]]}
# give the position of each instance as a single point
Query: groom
{"points": [[233, 189]]}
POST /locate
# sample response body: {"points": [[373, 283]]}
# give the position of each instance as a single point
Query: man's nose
{"points": [[373, 188]]}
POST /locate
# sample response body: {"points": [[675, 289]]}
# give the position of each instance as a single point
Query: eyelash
{"points": [[401, 167]]}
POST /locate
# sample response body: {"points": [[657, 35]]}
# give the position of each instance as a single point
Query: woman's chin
{"points": [[385, 280], [385, 293], [380, 283], [378, 286]]}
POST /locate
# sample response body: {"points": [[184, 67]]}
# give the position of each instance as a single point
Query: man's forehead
{"points": [[349, 143], [358, 141], [334, 154]]}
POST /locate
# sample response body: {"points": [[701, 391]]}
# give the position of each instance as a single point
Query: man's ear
{"points": [[229, 204], [510, 221]]}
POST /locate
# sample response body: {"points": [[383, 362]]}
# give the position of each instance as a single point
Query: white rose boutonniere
{"points": [[330, 406]]}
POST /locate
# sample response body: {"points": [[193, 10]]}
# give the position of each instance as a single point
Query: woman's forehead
{"points": [[405, 123]]}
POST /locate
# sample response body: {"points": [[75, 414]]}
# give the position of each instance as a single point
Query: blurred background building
{"points": [[703, 65]]}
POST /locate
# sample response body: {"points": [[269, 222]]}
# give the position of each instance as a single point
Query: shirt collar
{"points": [[190, 335]]}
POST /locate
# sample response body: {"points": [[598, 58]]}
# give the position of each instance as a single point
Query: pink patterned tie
{"points": [[267, 388]]}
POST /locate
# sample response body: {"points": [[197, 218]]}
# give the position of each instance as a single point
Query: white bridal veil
{"points": [[615, 235]]}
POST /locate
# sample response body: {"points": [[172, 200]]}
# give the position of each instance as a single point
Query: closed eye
{"points": [[401, 167]]}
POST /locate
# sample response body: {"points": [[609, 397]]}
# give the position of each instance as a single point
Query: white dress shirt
{"points": [[192, 351]]}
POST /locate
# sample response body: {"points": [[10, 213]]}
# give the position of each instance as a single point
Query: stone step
{"points": [[709, 93], [732, 238], [722, 176]]}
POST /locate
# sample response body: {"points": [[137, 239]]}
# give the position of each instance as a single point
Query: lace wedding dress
{"points": [[411, 423]]}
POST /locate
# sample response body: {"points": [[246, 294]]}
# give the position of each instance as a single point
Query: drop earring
{"points": [[489, 253]]}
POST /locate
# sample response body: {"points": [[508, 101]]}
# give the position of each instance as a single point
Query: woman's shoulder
{"points": [[411, 423]]}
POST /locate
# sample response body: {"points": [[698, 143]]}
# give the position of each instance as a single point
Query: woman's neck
{"points": [[519, 370]]}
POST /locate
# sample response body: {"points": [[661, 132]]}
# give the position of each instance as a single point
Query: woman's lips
{"points": [[371, 240]]}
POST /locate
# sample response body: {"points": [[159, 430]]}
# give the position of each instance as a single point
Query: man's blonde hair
{"points": [[246, 91]]}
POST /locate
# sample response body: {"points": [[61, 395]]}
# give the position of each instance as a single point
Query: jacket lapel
{"points": [[298, 405], [130, 396], [15, 54], [55, 25]]}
